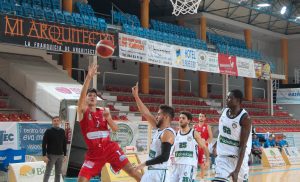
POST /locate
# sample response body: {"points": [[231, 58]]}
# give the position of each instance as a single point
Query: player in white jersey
{"points": [[234, 141], [162, 141], [185, 151]]}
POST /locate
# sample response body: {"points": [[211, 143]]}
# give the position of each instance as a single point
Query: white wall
{"points": [[294, 57]]}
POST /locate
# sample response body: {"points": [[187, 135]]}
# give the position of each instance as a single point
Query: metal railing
{"points": [[237, 86], [105, 74]]}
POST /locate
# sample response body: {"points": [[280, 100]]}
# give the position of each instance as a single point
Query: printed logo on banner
{"points": [[8, 133], [159, 53], [186, 58], [123, 136], [208, 61], [227, 64], [132, 47]]}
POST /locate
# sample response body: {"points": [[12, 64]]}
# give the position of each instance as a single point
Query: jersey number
{"points": [[182, 145], [226, 130]]}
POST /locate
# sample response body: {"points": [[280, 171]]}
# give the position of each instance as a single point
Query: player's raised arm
{"points": [[81, 105], [142, 108]]}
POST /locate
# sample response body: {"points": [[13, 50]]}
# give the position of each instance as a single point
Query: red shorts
{"points": [[200, 156], [95, 159]]}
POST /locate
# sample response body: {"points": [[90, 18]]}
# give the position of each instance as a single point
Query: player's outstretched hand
{"points": [[140, 166], [92, 70], [135, 90], [234, 176]]}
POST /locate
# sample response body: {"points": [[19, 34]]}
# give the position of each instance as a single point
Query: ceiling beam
{"points": [[254, 17], [221, 9], [232, 12], [202, 9], [250, 12], [209, 5], [242, 16]]}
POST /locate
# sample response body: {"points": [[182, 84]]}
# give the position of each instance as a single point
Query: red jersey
{"points": [[94, 129], [203, 130]]}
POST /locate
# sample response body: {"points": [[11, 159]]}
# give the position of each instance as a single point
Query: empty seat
{"points": [[38, 13], [69, 20], [59, 16], [78, 20], [49, 15], [28, 10]]}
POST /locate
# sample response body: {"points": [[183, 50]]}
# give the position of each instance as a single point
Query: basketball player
{"points": [[234, 141], [187, 140], [162, 141], [205, 133], [94, 124]]}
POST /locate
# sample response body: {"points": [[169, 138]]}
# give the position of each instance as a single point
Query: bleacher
{"points": [[8, 113], [50, 10], [282, 121]]}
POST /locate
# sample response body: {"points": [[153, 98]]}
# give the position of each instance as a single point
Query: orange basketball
{"points": [[105, 48]]}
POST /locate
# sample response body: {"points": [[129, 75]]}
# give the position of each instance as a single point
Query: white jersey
{"points": [[186, 149], [155, 148], [229, 135]]}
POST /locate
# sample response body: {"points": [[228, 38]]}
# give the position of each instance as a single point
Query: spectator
{"points": [[283, 143], [256, 147], [54, 149], [270, 142]]}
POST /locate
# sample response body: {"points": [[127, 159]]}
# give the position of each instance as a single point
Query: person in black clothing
{"points": [[54, 149]]}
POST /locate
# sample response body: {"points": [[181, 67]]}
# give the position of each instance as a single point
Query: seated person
{"points": [[283, 143], [270, 142], [256, 147]]}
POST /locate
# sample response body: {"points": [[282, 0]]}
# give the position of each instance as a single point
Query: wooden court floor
{"points": [[262, 174]]}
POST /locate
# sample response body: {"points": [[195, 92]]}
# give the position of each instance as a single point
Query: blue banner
{"points": [[31, 137]]}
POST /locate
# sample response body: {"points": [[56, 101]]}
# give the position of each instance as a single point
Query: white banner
{"points": [[159, 53], [288, 96], [245, 67], [29, 172], [273, 157], [8, 135], [132, 47], [208, 62], [185, 58], [292, 155], [132, 133]]}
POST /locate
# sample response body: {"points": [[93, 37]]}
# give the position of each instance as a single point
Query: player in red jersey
{"points": [[205, 133], [94, 124]]}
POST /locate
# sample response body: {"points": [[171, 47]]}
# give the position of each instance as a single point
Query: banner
{"points": [[271, 157], [8, 135], [29, 172], [185, 58], [49, 36], [132, 133], [227, 64], [132, 47], [245, 67], [288, 96], [159, 53], [61, 91], [31, 137], [262, 70], [208, 62], [291, 155]]}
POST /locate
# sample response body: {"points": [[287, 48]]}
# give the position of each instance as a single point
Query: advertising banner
{"points": [[185, 58], [8, 135], [227, 64], [208, 62], [288, 96], [271, 157], [29, 172], [159, 53], [291, 155], [56, 37], [132, 47], [262, 70], [31, 137], [245, 67]]}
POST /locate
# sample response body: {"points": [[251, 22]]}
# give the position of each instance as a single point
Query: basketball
{"points": [[105, 48]]}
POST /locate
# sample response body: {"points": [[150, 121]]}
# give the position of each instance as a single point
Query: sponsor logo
{"points": [[122, 158], [6, 137], [189, 139], [234, 125], [26, 171], [124, 135]]}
